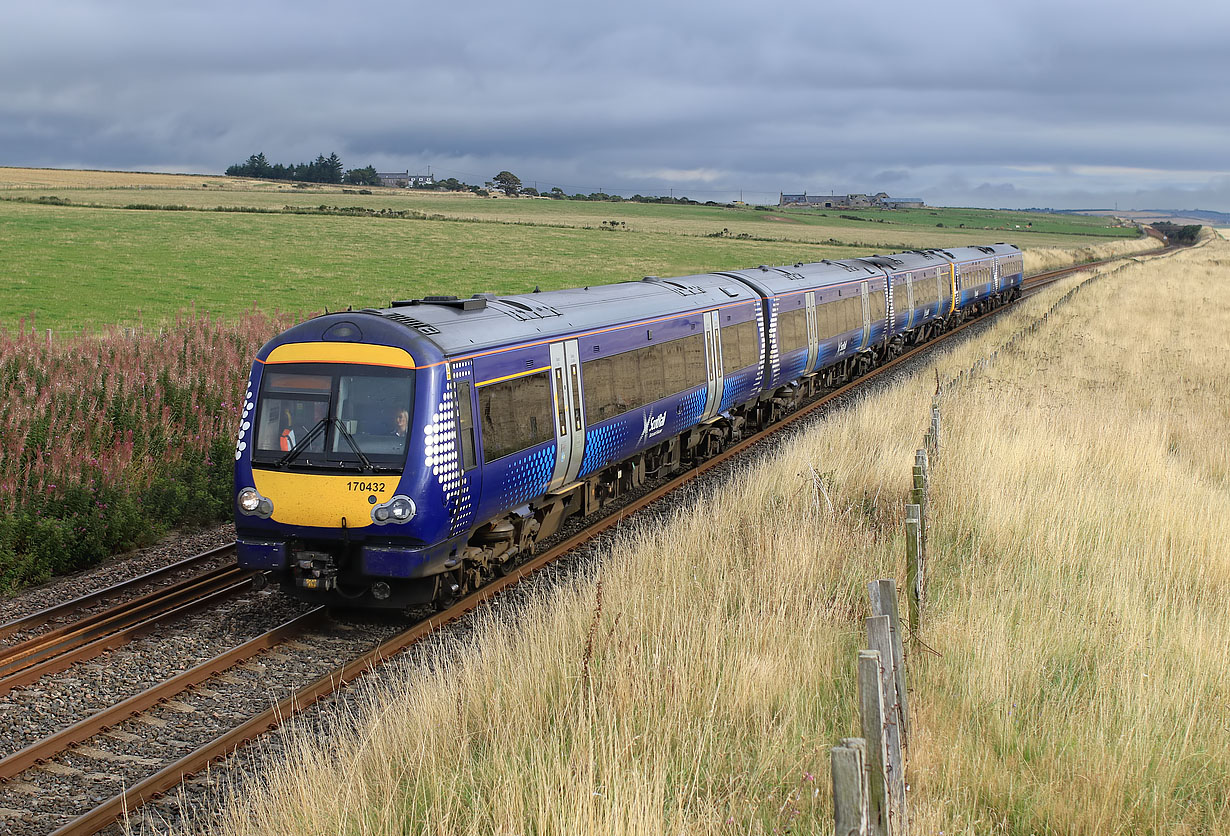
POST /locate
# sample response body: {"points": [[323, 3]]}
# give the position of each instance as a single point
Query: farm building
{"points": [[404, 179]]}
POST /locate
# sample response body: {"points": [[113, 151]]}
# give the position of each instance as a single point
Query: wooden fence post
{"points": [[922, 484], [883, 594], [871, 709], [915, 568], [849, 768], [935, 428], [880, 640]]}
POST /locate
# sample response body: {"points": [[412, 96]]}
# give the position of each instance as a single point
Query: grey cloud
{"points": [[904, 97]]}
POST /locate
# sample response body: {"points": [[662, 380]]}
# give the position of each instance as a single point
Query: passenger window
{"points": [[613, 385], [515, 415], [740, 346], [792, 330], [879, 308]]}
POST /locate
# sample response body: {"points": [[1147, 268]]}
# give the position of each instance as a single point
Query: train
{"points": [[401, 457]]}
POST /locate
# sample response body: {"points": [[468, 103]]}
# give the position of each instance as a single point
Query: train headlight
{"points": [[399, 509], [402, 508], [253, 504]]}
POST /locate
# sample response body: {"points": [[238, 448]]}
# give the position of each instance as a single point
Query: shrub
{"points": [[107, 441]]}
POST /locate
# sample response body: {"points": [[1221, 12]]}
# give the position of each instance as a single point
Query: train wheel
{"points": [[450, 588]]}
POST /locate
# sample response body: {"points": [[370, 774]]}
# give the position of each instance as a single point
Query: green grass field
{"points": [[95, 263]]}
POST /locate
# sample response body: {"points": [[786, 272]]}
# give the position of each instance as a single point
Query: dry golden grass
{"points": [[1080, 595], [58, 178], [1041, 259], [1077, 597]]}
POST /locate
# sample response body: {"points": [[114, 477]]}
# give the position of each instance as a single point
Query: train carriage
{"points": [[509, 400], [822, 315], [986, 275]]}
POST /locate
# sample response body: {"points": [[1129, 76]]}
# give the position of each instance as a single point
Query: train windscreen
{"points": [[333, 417]]}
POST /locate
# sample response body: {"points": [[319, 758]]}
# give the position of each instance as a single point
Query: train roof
{"points": [[971, 253], [486, 320], [824, 274]]}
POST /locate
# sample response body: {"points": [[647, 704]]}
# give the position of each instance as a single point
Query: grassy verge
{"points": [[694, 682]]}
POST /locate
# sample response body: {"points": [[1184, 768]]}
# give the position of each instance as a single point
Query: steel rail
{"points": [[174, 774], [91, 626], [55, 659], [47, 748], [37, 619]]}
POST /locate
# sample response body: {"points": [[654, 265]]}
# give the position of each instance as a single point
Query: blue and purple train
{"points": [[401, 457]]}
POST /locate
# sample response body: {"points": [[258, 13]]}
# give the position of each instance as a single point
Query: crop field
{"points": [[1076, 670], [75, 257]]}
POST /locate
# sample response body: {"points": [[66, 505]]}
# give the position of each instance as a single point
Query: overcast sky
{"points": [[1061, 103]]}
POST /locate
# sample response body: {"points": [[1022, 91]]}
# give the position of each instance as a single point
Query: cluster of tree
{"points": [[321, 170], [451, 184], [329, 170], [1182, 235], [559, 194]]}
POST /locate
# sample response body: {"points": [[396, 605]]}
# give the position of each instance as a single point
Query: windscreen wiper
{"points": [[367, 465], [303, 443]]}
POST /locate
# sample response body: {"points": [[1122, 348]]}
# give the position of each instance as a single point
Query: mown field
{"points": [[76, 258], [1076, 670]]}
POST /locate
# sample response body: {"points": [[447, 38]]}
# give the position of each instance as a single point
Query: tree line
{"points": [[1184, 236], [321, 170], [330, 170]]}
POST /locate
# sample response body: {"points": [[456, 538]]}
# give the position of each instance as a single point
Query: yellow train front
{"points": [[336, 495]]}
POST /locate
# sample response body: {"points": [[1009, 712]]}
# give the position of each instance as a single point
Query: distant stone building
{"points": [[404, 179], [849, 201]]}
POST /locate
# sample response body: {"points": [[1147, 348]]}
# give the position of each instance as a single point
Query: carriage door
{"points": [[863, 292], [909, 296], [569, 413], [995, 274], [813, 331], [715, 379]]}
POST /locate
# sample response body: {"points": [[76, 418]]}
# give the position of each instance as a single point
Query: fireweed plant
{"points": [[109, 441]]}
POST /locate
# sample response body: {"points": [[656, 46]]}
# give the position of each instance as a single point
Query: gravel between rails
{"points": [[169, 550], [201, 798]]}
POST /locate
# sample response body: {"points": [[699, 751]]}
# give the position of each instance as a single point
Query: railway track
{"points": [[96, 631], [309, 632], [65, 612]]}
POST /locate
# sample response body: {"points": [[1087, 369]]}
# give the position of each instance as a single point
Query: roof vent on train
{"points": [[987, 250], [476, 303], [882, 260], [849, 268], [681, 289], [409, 321], [523, 310]]}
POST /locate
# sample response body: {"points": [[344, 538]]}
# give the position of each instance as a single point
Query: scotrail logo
{"points": [[653, 425]]}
